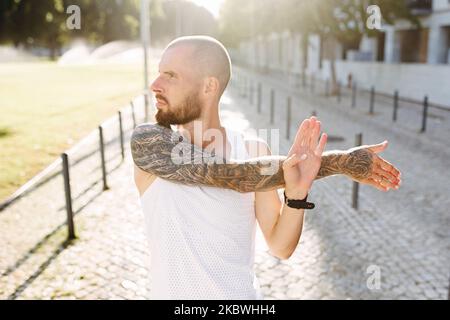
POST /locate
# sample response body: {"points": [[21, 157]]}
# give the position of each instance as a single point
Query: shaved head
{"points": [[208, 57]]}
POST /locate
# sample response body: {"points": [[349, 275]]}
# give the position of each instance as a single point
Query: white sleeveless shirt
{"points": [[201, 239]]}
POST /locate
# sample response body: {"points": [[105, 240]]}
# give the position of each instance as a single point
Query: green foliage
{"points": [[43, 23]]}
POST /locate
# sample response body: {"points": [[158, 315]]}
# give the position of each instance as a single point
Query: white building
{"points": [[414, 61]]}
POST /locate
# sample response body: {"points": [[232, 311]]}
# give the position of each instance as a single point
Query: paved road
{"points": [[402, 236]]}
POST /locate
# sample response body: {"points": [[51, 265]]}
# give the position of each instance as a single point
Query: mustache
{"points": [[160, 97]]}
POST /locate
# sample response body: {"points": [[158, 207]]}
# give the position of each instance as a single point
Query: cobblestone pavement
{"points": [[402, 234]]}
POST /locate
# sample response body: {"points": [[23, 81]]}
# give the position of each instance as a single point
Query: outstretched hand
{"points": [[383, 175]]}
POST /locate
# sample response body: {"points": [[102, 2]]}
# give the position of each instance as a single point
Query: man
{"points": [[201, 214]]}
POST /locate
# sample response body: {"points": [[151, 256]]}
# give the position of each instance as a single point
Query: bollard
{"points": [[259, 97], [102, 154], [355, 190], [338, 92], [313, 80], [68, 194], [394, 115], [303, 79], [272, 104], [288, 118], [327, 88], [354, 90], [132, 114], [372, 99], [424, 116], [122, 148]]}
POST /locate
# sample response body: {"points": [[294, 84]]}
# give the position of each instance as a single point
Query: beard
{"points": [[189, 110]]}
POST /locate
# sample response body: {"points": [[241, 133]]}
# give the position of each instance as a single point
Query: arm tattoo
{"points": [[153, 147], [356, 163]]}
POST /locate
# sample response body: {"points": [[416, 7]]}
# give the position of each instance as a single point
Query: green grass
{"points": [[45, 108]]}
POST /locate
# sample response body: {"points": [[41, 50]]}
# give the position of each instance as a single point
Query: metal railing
{"points": [[83, 152]]}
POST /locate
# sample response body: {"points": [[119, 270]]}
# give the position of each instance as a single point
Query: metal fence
{"points": [[369, 102], [82, 170]]}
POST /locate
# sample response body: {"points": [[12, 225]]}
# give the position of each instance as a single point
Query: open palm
{"points": [[305, 155]]}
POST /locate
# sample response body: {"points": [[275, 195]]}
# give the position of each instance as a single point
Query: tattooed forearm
{"points": [[355, 163], [155, 149]]}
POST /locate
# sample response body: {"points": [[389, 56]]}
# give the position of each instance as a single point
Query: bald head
{"points": [[208, 56]]}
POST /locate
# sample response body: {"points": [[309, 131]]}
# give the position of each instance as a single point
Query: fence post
{"points": [[372, 99], [122, 149], [68, 194], [132, 114], [102, 154], [394, 115], [355, 190], [425, 113], [259, 97], [272, 104], [288, 118], [354, 90], [338, 91]]}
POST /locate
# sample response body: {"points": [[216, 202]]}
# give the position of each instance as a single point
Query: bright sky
{"points": [[212, 5]]}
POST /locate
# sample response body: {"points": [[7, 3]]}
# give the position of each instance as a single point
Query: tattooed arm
{"points": [[156, 150], [153, 147]]}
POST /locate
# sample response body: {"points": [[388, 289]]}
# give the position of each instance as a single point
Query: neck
{"points": [[209, 119]]}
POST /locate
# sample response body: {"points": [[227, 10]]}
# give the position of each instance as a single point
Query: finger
{"points": [[312, 126], [322, 143], [375, 184], [314, 140], [385, 165], [304, 133], [378, 181], [377, 148], [386, 182], [293, 160], [296, 143], [386, 174]]}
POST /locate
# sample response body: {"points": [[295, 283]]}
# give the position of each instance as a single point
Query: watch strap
{"points": [[298, 204]]}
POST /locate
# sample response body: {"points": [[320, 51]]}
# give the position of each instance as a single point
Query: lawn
{"points": [[46, 108]]}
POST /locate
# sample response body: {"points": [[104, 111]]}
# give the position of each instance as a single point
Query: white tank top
{"points": [[201, 239]]}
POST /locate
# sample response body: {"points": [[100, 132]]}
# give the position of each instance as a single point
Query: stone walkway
{"points": [[403, 235]]}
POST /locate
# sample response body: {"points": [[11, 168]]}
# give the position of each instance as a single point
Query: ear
{"points": [[211, 85]]}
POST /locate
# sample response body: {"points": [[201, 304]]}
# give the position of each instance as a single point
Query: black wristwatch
{"points": [[298, 204]]}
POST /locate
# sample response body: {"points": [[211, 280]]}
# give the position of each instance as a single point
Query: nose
{"points": [[156, 86]]}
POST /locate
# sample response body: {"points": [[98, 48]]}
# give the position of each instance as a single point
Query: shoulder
{"points": [[257, 147], [148, 134], [148, 129]]}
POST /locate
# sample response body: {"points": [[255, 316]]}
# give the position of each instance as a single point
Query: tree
{"points": [[341, 20], [43, 23]]}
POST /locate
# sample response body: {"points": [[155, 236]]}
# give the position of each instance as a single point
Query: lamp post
{"points": [[145, 39]]}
